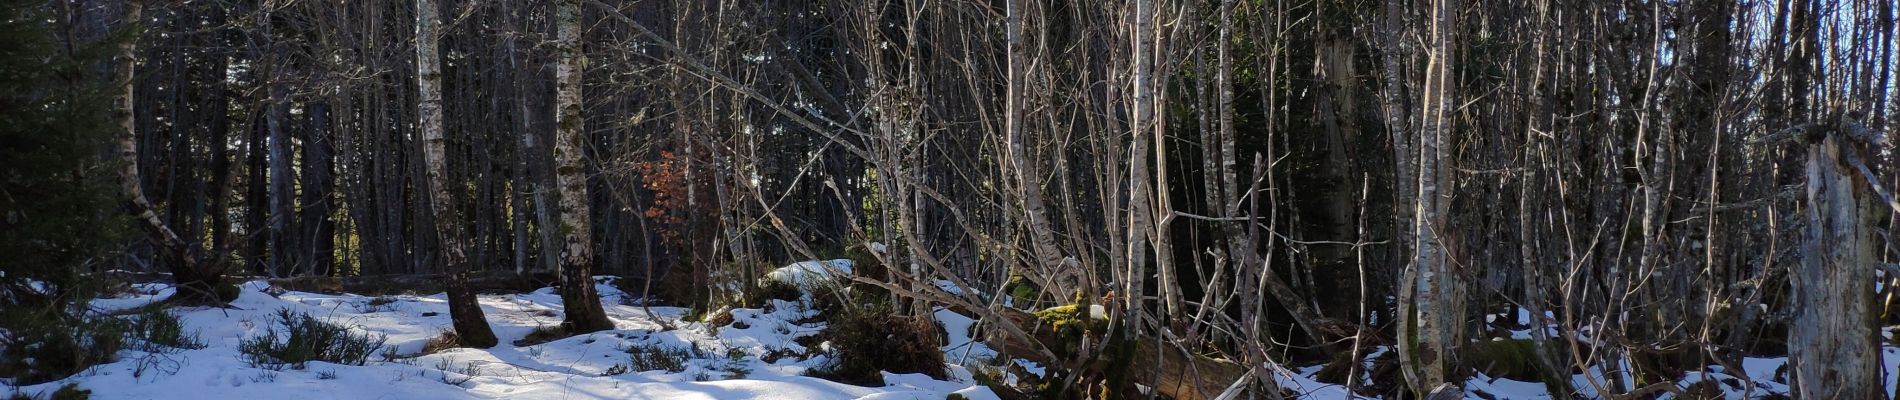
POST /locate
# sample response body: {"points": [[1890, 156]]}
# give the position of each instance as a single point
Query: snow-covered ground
{"points": [[730, 363]]}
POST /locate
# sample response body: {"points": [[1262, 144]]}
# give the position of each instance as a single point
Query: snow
{"points": [[731, 361], [949, 287], [811, 272]]}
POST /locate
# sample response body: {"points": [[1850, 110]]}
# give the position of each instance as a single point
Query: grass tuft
{"points": [[305, 338]]}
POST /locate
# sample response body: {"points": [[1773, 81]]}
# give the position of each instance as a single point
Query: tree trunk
{"points": [[1833, 348], [196, 279], [1026, 170], [470, 325], [578, 297], [1437, 309], [280, 187], [317, 229], [1140, 185]]}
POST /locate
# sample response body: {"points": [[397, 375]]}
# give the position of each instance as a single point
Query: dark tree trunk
{"points": [[317, 227]]}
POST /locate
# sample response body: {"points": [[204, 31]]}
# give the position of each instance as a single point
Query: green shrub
{"points": [[46, 349], [228, 292], [735, 365], [655, 357], [158, 331], [306, 339]]}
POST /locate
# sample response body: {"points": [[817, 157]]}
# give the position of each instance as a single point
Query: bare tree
{"points": [[1433, 282], [578, 296], [471, 326], [1831, 342]]}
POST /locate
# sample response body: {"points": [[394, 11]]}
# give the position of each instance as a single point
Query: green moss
{"points": [[1516, 359], [1067, 320], [1021, 290]]}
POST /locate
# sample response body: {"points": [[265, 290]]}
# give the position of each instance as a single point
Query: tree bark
{"points": [[1833, 348], [197, 280], [578, 297], [1140, 184], [471, 326], [1026, 169], [1437, 309], [317, 229]]}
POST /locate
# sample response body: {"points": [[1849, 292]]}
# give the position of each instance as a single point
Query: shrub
{"points": [[774, 354], [468, 372], [68, 391], [617, 369], [443, 340], [869, 339], [768, 290], [308, 338], [227, 292], [46, 349], [158, 331], [655, 357], [542, 334], [735, 365]]}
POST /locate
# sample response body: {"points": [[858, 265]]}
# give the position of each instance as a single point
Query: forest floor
{"points": [[759, 354], [723, 363]]}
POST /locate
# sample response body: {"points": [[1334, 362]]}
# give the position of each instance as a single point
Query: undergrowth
{"points": [[656, 357], [157, 331], [306, 338], [869, 339], [50, 348]]}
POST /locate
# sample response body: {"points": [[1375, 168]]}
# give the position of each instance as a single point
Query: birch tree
{"points": [[197, 277], [1022, 166], [1434, 320], [578, 297], [471, 327], [1140, 182]]}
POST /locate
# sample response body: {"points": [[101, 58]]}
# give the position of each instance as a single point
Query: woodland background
{"points": [[1268, 181]]}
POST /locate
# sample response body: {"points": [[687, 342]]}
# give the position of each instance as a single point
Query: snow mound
{"points": [[811, 272]]}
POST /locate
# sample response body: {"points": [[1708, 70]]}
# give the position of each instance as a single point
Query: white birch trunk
{"points": [[579, 299], [470, 324]]}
